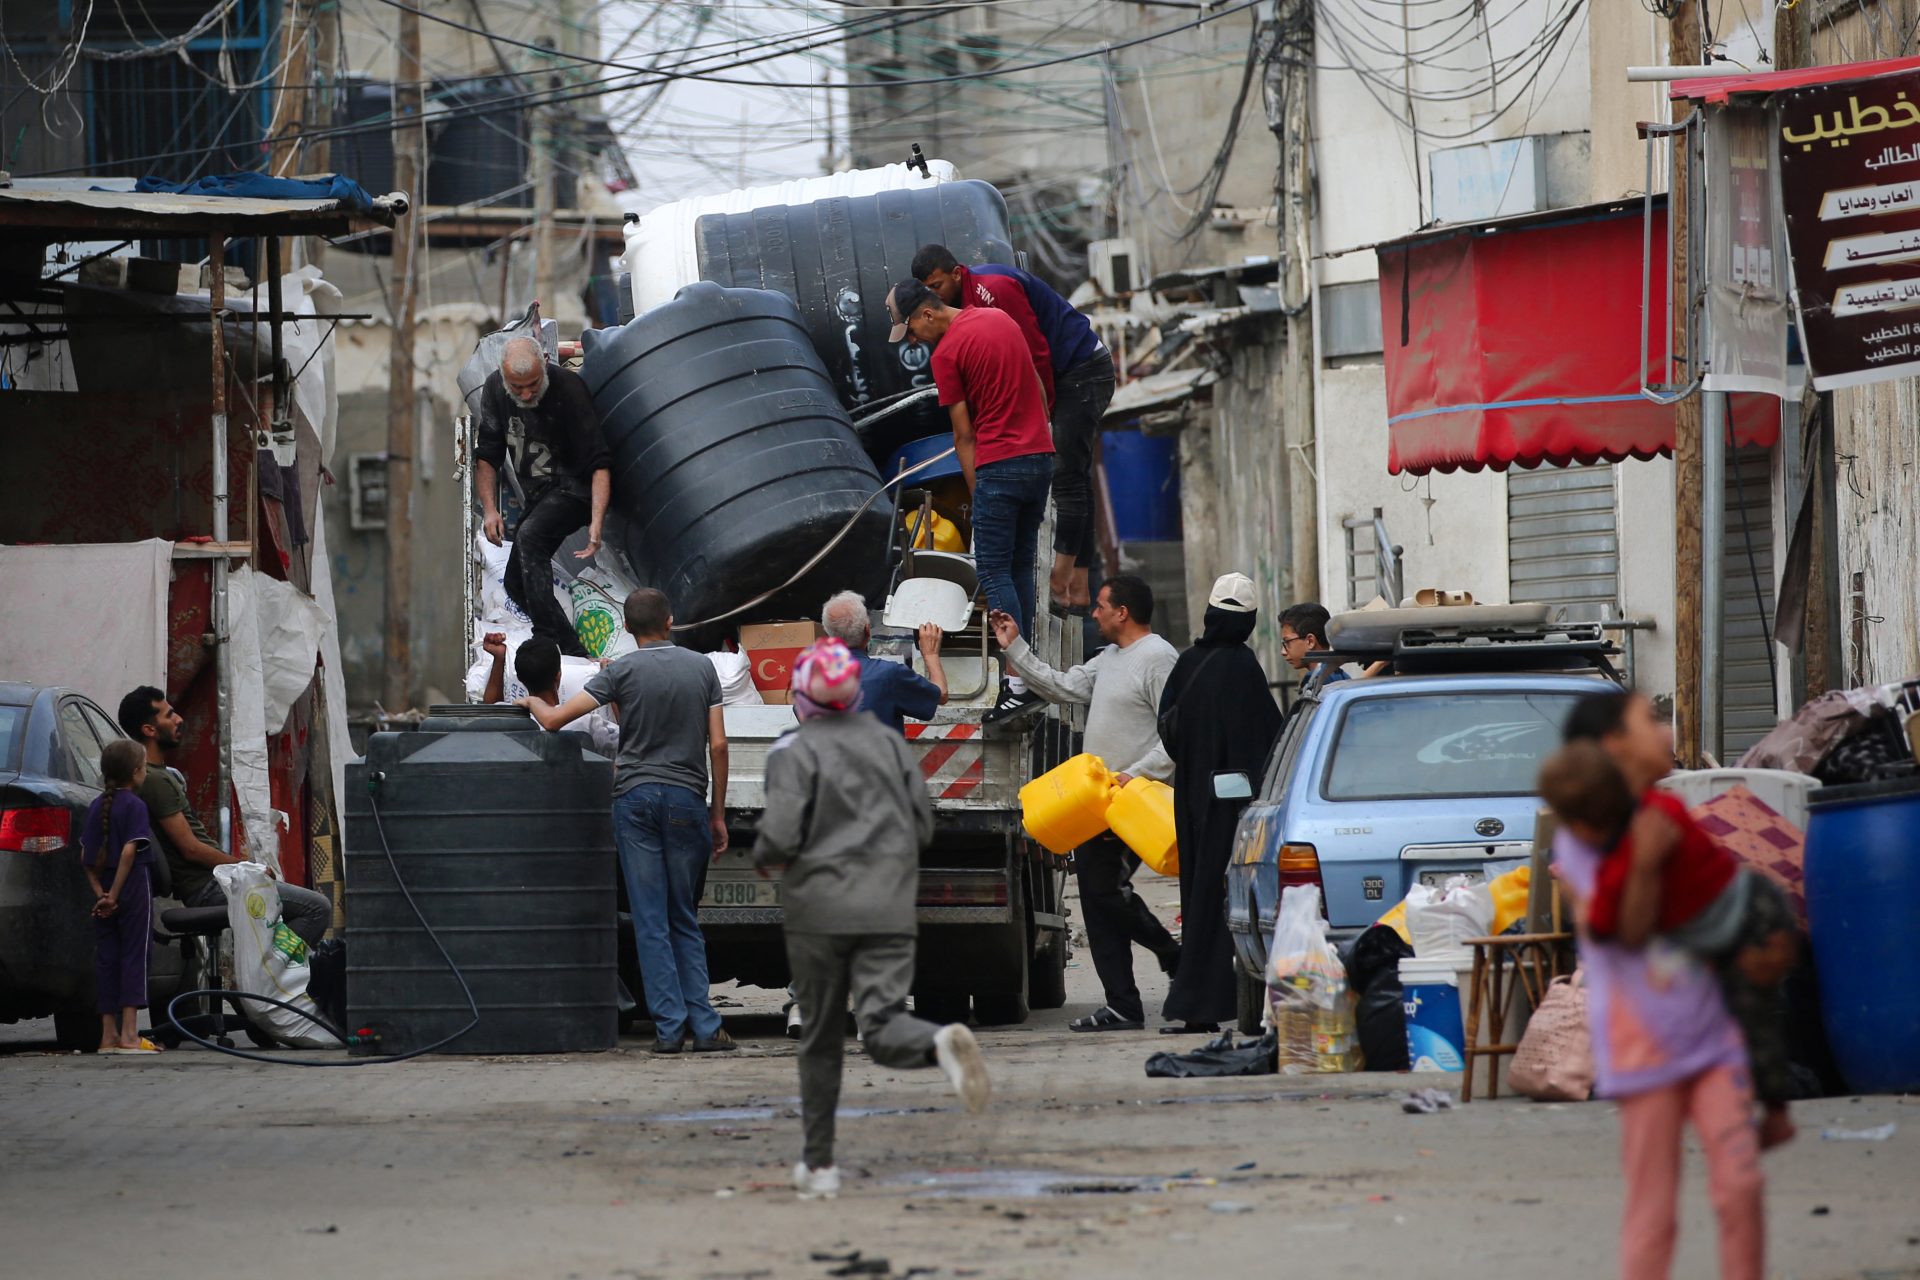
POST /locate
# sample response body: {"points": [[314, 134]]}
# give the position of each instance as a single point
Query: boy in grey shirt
{"points": [[847, 814], [671, 730], [1121, 687]]}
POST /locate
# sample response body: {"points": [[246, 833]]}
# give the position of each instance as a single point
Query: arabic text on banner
{"points": [[1850, 192]]}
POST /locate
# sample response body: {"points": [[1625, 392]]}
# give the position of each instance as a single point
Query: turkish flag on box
{"points": [[773, 648]]}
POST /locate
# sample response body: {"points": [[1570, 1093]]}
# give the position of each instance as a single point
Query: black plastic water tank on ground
{"points": [[505, 840], [837, 258], [733, 461]]}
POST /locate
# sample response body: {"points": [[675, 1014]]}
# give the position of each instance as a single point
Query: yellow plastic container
{"points": [[1066, 806], [937, 534], [1142, 816]]}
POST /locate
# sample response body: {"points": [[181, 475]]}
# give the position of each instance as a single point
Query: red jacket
{"points": [[1003, 293], [1696, 873]]}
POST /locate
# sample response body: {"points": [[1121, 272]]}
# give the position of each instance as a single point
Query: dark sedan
{"points": [[50, 744]]}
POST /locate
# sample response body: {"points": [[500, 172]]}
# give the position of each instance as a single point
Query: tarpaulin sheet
{"points": [[91, 617], [1518, 346]]}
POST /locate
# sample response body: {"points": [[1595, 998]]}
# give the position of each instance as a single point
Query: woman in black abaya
{"points": [[1216, 715]]}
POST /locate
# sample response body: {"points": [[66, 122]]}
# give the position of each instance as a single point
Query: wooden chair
{"points": [[1526, 962]]}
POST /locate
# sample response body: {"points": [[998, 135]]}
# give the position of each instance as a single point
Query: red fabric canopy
{"points": [[1717, 89], [1515, 344]]}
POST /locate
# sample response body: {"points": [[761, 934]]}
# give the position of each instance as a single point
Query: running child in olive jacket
{"points": [[847, 814]]}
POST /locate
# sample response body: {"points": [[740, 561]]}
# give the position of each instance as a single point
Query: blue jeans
{"points": [[664, 845], [1009, 502]]}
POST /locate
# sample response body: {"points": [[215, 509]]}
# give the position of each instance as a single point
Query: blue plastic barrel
{"points": [[1143, 484], [1863, 879], [915, 452]]}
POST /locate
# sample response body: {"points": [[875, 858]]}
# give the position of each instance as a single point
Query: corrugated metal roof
{"points": [[70, 204], [1157, 390]]}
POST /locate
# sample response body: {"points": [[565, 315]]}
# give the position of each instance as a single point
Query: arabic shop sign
{"points": [[1850, 189]]}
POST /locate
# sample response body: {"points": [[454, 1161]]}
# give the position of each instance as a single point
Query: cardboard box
{"points": [[774, 647]]}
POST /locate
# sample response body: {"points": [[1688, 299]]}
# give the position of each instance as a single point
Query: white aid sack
{"points": [[269, 959], [1441, 919], [736, 679]]}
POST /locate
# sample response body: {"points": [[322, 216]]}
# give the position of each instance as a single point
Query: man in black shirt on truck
{"points": [[545, 416]]}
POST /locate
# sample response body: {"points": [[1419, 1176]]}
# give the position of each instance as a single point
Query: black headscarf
{"points": [[1228, 626]]}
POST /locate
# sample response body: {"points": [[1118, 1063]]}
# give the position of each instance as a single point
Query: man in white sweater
{"points": [[1120, 687]]}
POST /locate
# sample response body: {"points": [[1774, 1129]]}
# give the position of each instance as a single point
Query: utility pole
{"points": [[545, 138], [326, 67], [408, 162], [1288, 84], [292, 104], [1683, 37], [1819, 642]]}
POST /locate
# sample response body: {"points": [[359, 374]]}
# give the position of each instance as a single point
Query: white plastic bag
{"points": [[1307, 997], [1440, 920], [736, 679], [269, 959]]}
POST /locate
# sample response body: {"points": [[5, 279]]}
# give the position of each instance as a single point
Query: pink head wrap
{"points": [[826, 680]]}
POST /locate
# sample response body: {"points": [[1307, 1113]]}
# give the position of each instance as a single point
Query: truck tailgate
{"points": [[966, 771]]}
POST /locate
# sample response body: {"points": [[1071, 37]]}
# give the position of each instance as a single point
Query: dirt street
{"points": [[623, 1165]]}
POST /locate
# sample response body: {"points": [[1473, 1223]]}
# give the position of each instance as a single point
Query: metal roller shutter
{"points": [[1561, 544], [1746, 698]]}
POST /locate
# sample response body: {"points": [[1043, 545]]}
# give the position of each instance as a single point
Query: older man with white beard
{"points": [[545, 416]]}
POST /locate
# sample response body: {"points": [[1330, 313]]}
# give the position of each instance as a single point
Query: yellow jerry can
{"points": [[1142, 816], [1066, 806], [937, 534]]}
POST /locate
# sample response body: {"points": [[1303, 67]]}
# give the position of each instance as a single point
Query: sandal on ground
{"points": [[1191, 1029], [1105, 1019]]}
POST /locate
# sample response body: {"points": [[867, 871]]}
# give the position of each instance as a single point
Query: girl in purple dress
{"points": [[116, 844]]}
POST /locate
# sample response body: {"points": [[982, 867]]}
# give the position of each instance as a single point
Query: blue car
{"points": [[1380, 784]]}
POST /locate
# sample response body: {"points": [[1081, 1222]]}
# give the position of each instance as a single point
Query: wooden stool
{"points": [[1536, 959]]}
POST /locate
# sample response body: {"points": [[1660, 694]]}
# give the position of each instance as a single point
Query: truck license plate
{"points": [[749, 892]]}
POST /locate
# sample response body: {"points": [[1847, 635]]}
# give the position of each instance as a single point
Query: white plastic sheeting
{"points": [[276, 632]]}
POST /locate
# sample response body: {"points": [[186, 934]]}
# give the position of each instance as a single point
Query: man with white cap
{"points": [[847, 814], [1217, 715], [986, 379]]}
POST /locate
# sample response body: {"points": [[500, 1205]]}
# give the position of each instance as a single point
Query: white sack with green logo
{"points": [[269, 959]]}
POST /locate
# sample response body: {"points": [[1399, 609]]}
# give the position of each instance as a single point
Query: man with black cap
{"points": [[992, 394]]}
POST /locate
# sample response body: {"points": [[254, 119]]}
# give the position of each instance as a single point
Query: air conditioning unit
{"points": [[1111, 265]]}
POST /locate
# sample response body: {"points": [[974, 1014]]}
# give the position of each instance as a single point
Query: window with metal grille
{"points": [[206, 104]]}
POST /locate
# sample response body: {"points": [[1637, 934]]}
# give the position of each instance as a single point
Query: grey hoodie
{"points": [[847, 814]]}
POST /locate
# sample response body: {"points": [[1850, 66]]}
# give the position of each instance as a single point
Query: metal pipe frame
{"points": [[1655, 133], [222, 620], [1713, 530]]}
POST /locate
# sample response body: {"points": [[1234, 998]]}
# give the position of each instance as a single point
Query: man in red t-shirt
{"points": [[992, 393]]}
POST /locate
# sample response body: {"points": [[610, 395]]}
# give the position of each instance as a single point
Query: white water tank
{"points": [[661, 253]]}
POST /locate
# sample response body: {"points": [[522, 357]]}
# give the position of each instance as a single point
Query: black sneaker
{"points": [[1011, 706]]}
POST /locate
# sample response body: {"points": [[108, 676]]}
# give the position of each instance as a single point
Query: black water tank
{"points": [[480, 151], [505, 840], [733, 462], [837, 258], [366, 153]]}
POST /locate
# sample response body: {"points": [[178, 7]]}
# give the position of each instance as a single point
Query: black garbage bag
{"points": [[1373, 969], [1220, 1057], [327, 983]]}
